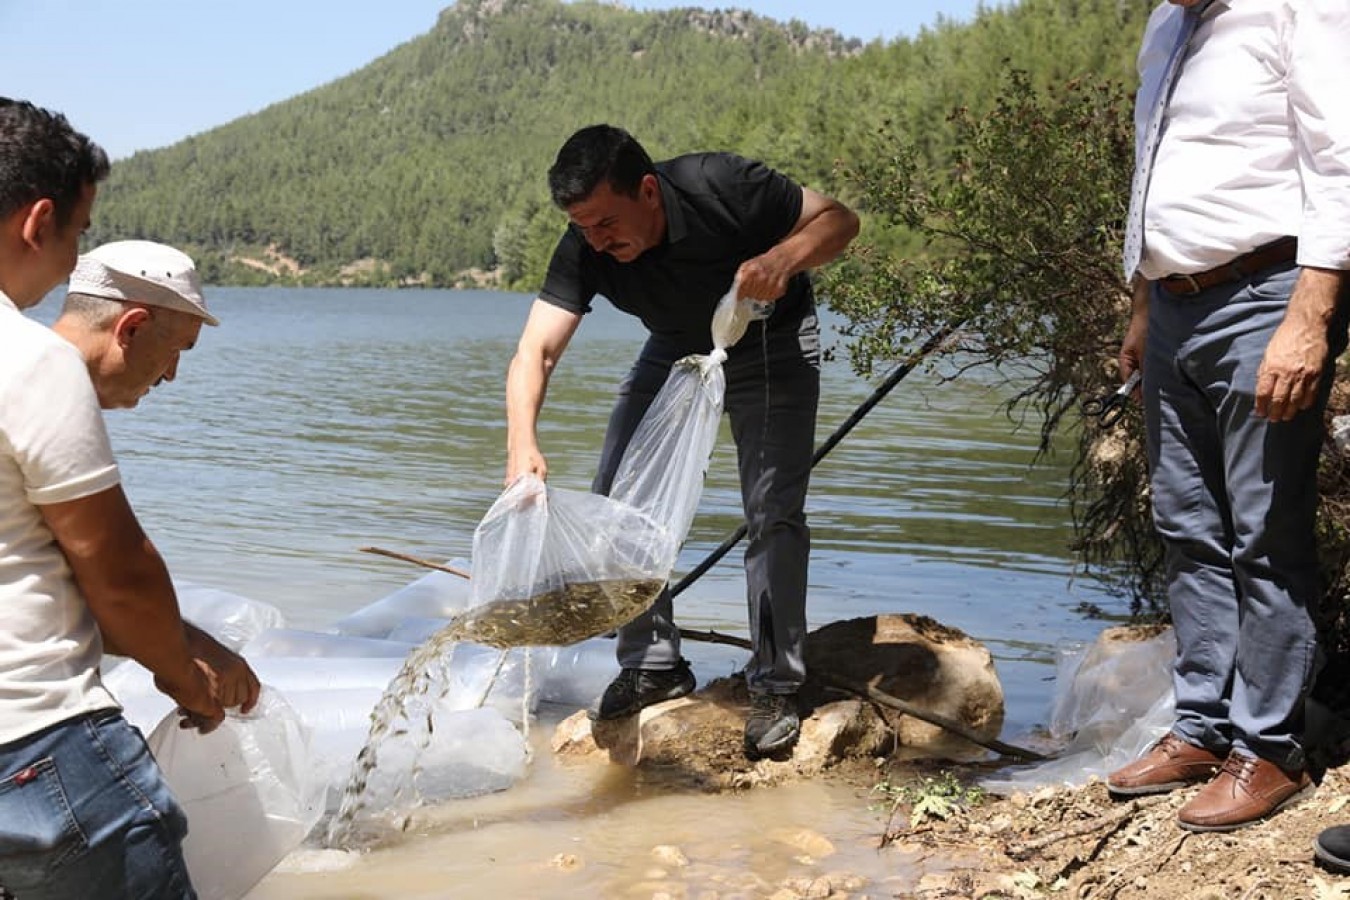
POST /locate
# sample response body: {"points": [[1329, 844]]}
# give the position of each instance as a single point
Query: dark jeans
{"points": [[771, 400], [1235, 501], [85, 813]]}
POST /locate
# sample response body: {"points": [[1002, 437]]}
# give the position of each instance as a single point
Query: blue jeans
{"points": [[773, 388], [86, 815], [1235, 502]]}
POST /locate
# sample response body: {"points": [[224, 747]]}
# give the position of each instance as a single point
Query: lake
{"points": [[314, 422]]}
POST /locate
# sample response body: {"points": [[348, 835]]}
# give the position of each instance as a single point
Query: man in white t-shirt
{"points": [[84, 811]]}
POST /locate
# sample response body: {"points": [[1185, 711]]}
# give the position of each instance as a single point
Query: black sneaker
{"points": [[773, 725], [1332, 848], [635, 689]]}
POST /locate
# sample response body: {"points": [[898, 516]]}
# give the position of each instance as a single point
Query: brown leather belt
{"points": [[1278, 251]]}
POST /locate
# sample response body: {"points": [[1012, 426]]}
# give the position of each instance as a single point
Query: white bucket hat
{"points": [[142, 272]]}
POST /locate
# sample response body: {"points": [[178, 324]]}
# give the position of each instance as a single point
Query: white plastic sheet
{"points": [[435, 595], [229, 618], [296, 642]]}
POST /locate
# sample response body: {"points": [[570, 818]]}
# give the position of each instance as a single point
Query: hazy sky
{"points": [[139, 74]]}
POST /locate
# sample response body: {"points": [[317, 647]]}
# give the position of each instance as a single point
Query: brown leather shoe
{"points": [[1169, 764], [1246, 790]]}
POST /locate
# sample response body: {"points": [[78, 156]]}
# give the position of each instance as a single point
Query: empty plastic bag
{"points": [[248, 792]]}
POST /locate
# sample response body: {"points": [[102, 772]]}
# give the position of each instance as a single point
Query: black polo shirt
{"points": [[721, 210]]}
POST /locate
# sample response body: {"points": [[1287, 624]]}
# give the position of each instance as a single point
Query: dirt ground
{"points": [[1079, 843]]}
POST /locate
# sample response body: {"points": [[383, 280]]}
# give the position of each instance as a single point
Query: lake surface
{"points": [[314, 422]]}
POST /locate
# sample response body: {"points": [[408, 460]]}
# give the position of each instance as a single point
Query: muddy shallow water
{"points": [[582, 829]]}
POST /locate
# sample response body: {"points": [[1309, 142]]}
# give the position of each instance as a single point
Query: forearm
{"points": [[137, 615], [526, 385], [1314, 300], [1139, 288], [819, 241]]}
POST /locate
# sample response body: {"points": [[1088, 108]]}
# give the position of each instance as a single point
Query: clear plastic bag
{"points": [[554, 566], [249, 777], [1112, 700], [663, 469], [732, 317]]}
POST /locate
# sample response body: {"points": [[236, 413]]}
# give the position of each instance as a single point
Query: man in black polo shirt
{"points": [[664, 242]]}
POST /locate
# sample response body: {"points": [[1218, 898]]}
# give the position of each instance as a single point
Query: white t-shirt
{"points": [[53, 448]]}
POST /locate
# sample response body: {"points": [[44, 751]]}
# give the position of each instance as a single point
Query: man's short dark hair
{"points": [[42, 156], [594, 154]]}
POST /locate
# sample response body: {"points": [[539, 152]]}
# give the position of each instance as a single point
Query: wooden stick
{"points": [[877, 696], [1112, 820], [932, 718], [425, 563]]}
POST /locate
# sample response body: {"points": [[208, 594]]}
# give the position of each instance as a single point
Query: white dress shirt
{"points": [[1256, 139]]}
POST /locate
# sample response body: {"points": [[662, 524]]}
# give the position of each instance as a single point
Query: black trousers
{"points": [[773, 389]]}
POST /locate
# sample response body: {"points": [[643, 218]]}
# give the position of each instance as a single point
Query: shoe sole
{"points": [[1234, 826], [1145, 790], [782, 745], [674, 693], [1330, 861]]}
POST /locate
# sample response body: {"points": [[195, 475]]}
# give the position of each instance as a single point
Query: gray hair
{"points": [[96, 312]]}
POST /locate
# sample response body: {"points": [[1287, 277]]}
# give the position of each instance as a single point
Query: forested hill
{"points": [[431, 160]]}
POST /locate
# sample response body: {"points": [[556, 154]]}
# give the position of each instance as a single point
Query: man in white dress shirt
{"points": [[1239, 313]]}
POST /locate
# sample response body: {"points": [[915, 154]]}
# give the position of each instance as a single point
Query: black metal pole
{"points": [[891, 380]]}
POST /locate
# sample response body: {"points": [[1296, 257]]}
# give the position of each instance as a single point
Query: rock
{"points": [[566, 862], [846, 882], [922, 662], [668, 855], [810, 842], [699, 739]]}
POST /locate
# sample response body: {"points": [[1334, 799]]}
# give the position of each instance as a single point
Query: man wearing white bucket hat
{"points": [[83, 809], [133, 307]]}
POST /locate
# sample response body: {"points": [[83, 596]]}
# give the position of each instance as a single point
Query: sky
{"points": [[140, 74]]}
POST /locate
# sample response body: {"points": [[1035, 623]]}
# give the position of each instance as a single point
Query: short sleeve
{"points": [[52, 424], [566, 284]]}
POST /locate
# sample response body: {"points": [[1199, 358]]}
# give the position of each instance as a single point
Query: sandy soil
{"points": [[1082, 844]]}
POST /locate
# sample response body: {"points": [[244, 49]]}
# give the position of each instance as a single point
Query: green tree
{"points": [[1020, 261]]}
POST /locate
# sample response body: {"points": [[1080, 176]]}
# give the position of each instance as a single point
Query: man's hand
{"points": [[764, 277], [1131, 358], [233, 682], [526, 461], [1291, 370], [196, 698], [1287, 381]]}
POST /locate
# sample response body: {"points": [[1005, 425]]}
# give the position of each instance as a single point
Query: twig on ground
{"points": [[1111, 821], [1148, 867]]}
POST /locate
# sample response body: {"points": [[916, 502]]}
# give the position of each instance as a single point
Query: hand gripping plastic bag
{"points": [[248, 792], [666, 461], [553, 566]]}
